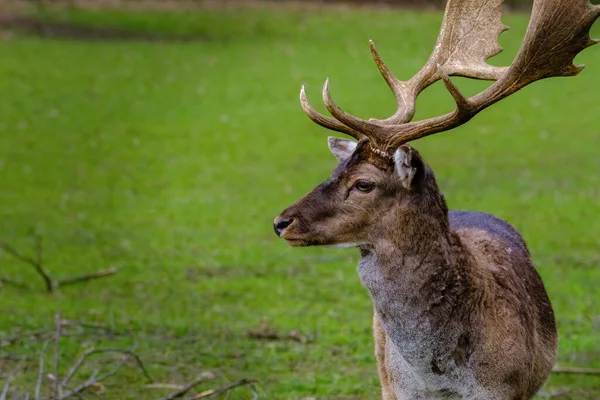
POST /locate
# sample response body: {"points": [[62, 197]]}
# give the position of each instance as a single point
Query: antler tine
{"points": [[548, 50], [465, 22], [326, 122], [463, 104], [406, 109], [366, 127], [387, 74]]}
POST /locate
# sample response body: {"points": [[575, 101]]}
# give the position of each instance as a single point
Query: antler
{"points": [[557, 32]]}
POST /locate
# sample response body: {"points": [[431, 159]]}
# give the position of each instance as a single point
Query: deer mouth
{"points": [[294, 239], [298, 242], [308, 242]]}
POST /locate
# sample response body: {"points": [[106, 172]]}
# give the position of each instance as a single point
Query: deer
{"points": [[460, 312]]}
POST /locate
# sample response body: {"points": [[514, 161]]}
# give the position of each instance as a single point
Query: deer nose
{"points": [[280, 225]]}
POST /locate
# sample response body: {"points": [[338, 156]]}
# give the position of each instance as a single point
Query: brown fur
{"points": [[380, 350], [460, 312]]}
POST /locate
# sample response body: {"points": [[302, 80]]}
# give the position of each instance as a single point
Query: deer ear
{"points": [[407, 163], [342, 149]]}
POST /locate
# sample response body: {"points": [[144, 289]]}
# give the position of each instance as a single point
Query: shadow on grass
{"points": [[69, 30]]}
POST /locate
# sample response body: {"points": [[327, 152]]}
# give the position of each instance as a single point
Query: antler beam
{"points": [[467, 39]]}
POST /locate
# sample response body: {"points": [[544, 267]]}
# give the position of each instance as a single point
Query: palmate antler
{"points": [[558, 30]]}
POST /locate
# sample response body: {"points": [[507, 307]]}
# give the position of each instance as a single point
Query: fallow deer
{"points": [[460, 311]]}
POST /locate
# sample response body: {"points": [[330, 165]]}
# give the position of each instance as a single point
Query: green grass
{"points": [[170, 160]]}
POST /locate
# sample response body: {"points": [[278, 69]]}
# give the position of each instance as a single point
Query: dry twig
{"points": [[172, 386], [35, 263], [216, 392], [88, 353], [50, 284], [38, 385], [59, 389], [95, 379], [91, 381], [5, 390], [181, 392], [9, 379], [87, 277], [89, 325], [6, 386], [58, 323]]}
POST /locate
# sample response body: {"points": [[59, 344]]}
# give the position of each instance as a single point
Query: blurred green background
{"points": [[163, 142]]}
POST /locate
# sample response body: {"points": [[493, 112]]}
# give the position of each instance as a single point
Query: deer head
{"points": [[380, 177], [362, 197]]}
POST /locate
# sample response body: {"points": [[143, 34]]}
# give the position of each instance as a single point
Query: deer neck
{"points": [[417, 275]]}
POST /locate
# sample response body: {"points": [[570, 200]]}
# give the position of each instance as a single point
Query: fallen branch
{"points": [[181, 392], [37, 263], [89, 325], [216, 392], [58, 323], [172, 386], [88, 353], [576, 370], [91, 381], [95, 379], [9, 380], [87, 277], [58, 389], [5, 390], [38, 385]]}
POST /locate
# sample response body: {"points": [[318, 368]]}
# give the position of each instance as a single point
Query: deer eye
{"points": [[364, 186]]}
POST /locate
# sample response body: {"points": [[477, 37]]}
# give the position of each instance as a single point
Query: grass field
{"points": [[169, 160]]}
